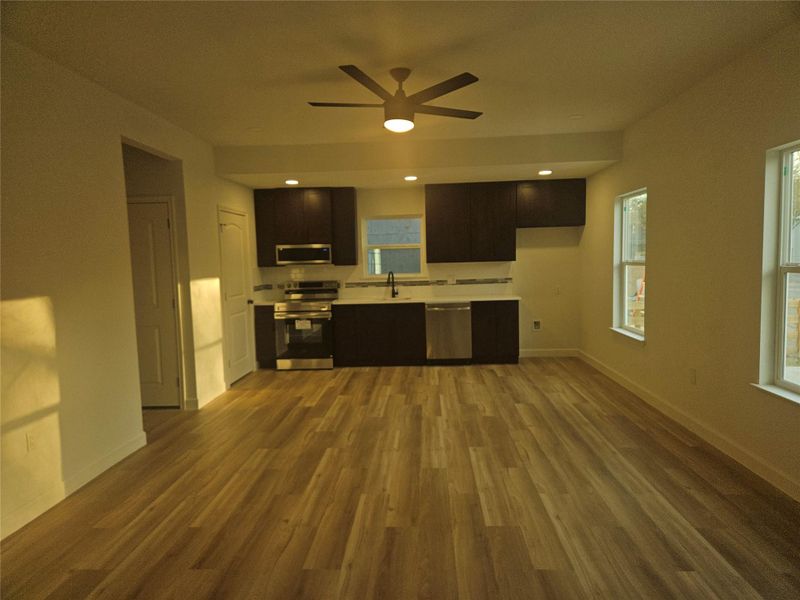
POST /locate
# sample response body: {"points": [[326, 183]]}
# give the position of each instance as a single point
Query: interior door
{"points": [[154, 299], [235, 292]]}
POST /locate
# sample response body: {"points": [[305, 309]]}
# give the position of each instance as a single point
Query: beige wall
{"points": [[702, 159], [69, 365]]}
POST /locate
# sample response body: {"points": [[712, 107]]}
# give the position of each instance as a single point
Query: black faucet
{"points": [[390, 280]]}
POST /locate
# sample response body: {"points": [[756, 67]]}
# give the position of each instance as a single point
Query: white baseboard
{"points": [[727, 446], [547, 352], [77, 480], [21, 516]]}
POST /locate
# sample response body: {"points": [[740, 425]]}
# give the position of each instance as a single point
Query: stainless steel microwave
{"points": [[303, 254]]}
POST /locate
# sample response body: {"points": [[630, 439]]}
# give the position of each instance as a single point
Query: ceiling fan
{"points": [[399, 109]]}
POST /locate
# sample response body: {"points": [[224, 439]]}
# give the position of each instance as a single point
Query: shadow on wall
{"points": [[30, 421]]}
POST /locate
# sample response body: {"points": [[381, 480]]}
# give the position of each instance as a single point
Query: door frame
{"points": [[179, 312], [221, 208]]}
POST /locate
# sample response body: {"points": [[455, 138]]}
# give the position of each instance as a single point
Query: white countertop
{"points": [[408, 300], [427, 299]]}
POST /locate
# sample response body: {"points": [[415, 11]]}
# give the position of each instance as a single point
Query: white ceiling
{"points": [[241, 73]]}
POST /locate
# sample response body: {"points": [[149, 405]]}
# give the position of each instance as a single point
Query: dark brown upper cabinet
{"points": [[470, 222], [264, 209], [306, 216], [343, 220], [492, 214], [447, 223], [551, 203], [302, 216]]}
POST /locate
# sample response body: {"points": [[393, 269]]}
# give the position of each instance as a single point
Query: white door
{"points": [[235, 292], [154, 297]]}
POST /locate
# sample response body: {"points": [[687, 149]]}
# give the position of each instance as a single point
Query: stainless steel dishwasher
{"points": [[448, 332]]}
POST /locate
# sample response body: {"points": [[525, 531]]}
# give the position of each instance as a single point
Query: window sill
{"points": [[629, 334], [778, 391]]}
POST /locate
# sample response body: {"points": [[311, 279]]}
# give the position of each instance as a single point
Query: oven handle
{"points": [[302, 315]]}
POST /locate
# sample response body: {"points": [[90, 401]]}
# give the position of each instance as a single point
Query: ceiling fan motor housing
{"points": [[399, 108]]}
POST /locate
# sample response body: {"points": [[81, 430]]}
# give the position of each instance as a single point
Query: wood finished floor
{"points": [[543, 480]]}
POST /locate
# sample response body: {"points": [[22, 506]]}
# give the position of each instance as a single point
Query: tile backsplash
{"points": [[453, 279]]}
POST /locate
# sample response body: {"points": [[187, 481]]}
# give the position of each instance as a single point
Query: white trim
{"points": [[779, 391], [548, 352], [21, 516], [628, 333], [81, 477], [784, 267], [619, 282], [753, 463]]}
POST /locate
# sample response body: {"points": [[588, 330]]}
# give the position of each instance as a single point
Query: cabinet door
{"points": [[264, 209], [379, 334], [290, 227], [484, 332], [447, 223], [265, 336], [507, 333], [376, 336], [346, 352], [317, 216], [343, 226], [492, 211], [408, 333], [551, 203], [495, 332]]}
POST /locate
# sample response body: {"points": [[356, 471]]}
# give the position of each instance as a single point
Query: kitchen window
{"points": [[630, 254], [393, 244], [788, 313]]}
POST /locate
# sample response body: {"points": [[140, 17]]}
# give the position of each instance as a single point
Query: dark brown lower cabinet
{"points": [[378, 334], [264, 323], [495, 332]]}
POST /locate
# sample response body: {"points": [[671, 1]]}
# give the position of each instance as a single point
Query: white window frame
{"points": [[366, 247], [620, 287], [785, 267]]}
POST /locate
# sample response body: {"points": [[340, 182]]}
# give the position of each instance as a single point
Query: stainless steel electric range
{"points": [[304, 325]]}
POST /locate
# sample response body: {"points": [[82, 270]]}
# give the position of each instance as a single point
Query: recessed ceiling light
{"points": [[545, 172], [410, 177], [292, 182]]}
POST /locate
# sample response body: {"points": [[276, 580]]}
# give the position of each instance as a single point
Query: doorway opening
{"points": [[157, 236]]}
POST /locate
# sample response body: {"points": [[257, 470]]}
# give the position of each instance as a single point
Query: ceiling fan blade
{"points": [[365, 80], [445, 87], [447, 112], [345, 104]]}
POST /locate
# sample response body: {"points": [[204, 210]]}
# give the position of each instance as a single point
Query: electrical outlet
{"points": [[693, 376], [30, 442], [558, 290], [537, 325]]}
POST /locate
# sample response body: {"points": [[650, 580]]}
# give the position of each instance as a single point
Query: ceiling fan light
{"points": [[398, 125]]}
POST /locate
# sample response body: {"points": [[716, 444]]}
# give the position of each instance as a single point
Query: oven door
{"points": [[303, 340]]}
